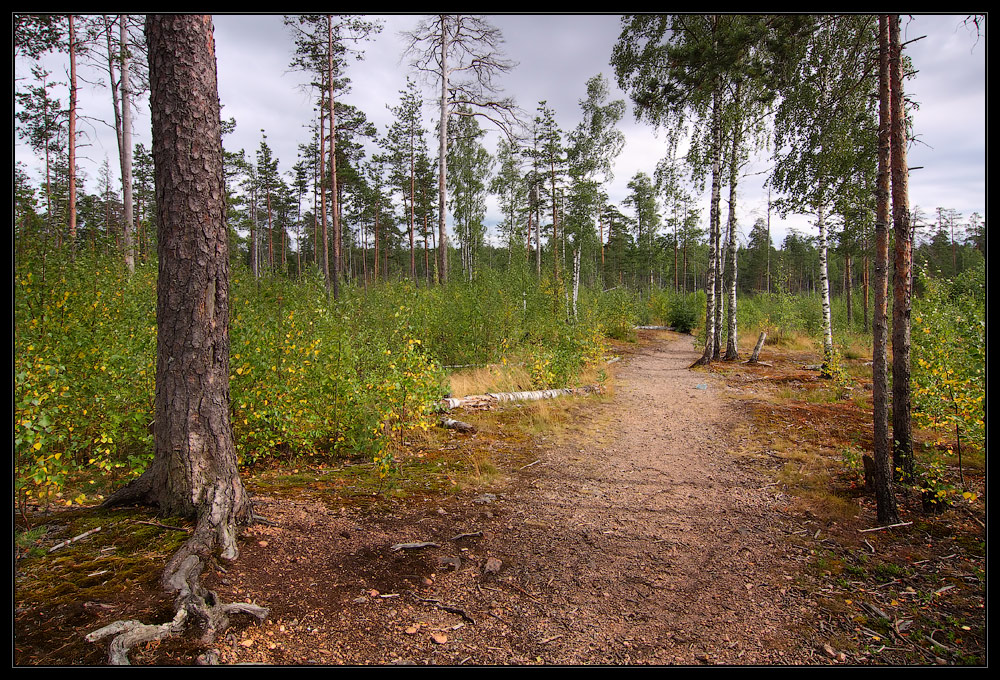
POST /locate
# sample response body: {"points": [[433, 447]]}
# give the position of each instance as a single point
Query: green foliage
{"points": [[680, 311], [948, 352], [84, 365], [781, 315], [684, 312], [307, 377], [936, 487], [617, 312]]}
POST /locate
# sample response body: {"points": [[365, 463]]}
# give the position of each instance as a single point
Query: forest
{"points": [[354, 288]]}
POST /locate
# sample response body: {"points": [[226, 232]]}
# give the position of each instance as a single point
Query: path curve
{"points": [[636, 537]]}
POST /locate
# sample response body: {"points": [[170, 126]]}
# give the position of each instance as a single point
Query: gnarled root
{"points": [[194, 602]]}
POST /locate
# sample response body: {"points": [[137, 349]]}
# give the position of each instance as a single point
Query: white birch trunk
{"points": [[493, 398], [443, 158], [576, 279], [824, 283]]}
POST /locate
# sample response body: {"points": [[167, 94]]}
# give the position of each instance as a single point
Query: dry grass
{"points": [[493, 378]]}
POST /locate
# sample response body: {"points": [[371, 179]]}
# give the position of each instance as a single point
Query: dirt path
{"points": [[637, 540]]}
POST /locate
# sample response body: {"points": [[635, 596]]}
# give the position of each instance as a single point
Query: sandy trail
{"points": [[636, 538]]}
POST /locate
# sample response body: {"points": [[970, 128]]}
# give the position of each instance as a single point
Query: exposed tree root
{"points": [[194, 603]]}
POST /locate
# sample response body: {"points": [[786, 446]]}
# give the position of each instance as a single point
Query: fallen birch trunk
{"points": [[489, 400]]}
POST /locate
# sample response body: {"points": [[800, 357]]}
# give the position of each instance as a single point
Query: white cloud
{"points": [[556, 54]]}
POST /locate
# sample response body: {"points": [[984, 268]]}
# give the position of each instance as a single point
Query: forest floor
{"points": [[670, 521]]}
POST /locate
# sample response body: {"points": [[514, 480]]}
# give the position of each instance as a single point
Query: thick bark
{"points": [[902, 454], [194, 470], [322, 193], [334, 197], [884, 498]]}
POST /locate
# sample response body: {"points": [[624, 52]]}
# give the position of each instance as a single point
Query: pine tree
{"points": [[193, 472], [402, 140], [463, 55]]}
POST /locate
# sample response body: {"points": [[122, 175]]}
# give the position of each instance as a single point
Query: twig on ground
{"points": [[74, 539], [887, 526]]}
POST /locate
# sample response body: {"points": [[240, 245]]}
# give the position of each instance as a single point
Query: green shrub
{"points": [[308, 377]]}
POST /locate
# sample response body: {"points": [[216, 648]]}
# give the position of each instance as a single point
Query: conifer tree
{"points": [[463, 55]]}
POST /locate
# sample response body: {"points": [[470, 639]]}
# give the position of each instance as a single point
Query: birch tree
{"points": [[682, 69], [509, 187], [470, 166], [671, 65], [402, 141], [824, 128]]}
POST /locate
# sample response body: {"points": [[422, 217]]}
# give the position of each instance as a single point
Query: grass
{"points": [[510, 377]]}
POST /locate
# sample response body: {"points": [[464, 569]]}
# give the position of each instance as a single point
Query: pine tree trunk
{"points": [[902, 455], [72, 134], [849, 290], [884, 498], [194, 471], [335, 274], [322, 194]]}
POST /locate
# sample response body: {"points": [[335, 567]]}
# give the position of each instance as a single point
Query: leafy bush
{"points": [[616, 312], [84, 366], [948, 356], [308, 377]]}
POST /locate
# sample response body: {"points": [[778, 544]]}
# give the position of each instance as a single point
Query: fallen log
{"points": [[491, 399]]}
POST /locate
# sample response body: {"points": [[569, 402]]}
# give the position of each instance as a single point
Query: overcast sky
{"points": [[556, 55]]}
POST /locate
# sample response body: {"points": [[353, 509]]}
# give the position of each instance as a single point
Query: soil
{"points": [[636, 540], [633, 535]]}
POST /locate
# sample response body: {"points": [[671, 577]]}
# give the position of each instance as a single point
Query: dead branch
{"points": [[74, 539], [413, 546], [887, 526]]}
